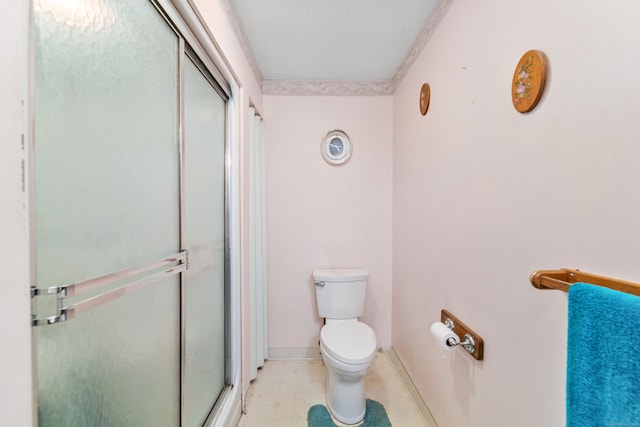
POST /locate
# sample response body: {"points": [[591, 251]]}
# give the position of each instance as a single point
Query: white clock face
{"points": [[336, 147]]}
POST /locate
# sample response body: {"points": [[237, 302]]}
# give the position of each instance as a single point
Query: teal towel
{"points": [[603, 357]]}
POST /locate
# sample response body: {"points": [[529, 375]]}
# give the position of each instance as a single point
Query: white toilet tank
{"points": [[340, 293]]}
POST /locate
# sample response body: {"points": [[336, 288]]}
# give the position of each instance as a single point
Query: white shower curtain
{"points": [[257, 244]]}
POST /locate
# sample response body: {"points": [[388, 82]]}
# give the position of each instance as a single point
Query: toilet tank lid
{"points": [[341, 274]]}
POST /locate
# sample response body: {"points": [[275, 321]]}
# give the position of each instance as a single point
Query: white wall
{"points": [[321, 216], [484, 195], [15, 310]]}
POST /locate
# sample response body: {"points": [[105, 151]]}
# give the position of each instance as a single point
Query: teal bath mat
{"points": [[375, 416]]}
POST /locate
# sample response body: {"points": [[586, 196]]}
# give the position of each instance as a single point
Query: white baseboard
{"points": [[410, 386], [294, 353]]}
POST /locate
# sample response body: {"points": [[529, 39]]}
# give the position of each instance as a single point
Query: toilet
{"points": [[348, 346]]}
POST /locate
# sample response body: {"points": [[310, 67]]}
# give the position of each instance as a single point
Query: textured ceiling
{"points": [[348, 40]]}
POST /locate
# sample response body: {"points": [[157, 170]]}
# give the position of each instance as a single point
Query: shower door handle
{"points": [[141, 276]]}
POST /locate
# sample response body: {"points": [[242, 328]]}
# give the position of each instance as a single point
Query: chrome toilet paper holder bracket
{"points": [[469, 343], [472, 342]]}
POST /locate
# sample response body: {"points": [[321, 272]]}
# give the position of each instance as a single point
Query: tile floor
{"points": [[285, 390]]}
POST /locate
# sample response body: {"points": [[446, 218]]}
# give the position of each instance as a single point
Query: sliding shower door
{"points": [[128, 191], [205, 237]]}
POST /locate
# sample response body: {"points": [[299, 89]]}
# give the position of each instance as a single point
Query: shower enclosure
{"points": [[129, 218]]}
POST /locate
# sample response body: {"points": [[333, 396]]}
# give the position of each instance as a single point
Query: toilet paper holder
{"points": [[472, 342], [469, 343]]}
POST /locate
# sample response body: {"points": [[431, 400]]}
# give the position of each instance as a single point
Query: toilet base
{"points": [[345, 393], [345, 374]]}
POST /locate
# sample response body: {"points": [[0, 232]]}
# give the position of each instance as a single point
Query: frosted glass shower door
{"points": [[106, 198], [205, 239]]}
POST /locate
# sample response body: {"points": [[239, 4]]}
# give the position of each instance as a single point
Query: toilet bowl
{"points": [[347, 348], [347, 345]]}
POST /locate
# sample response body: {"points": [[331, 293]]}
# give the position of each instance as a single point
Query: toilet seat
{"points": [[349, 342]]}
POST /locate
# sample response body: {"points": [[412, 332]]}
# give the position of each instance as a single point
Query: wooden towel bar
{"points": [[563, 278]]}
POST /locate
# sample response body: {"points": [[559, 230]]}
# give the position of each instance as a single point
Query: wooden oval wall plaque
{"points": [[528, 81], [425, 97]]}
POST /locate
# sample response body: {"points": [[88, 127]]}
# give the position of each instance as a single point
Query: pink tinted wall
{"points": [[484, 195], [322, 216]]}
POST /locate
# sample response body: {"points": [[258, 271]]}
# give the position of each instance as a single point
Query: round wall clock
{"points": [[528, 81], [425, 97], [336, 147]]}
